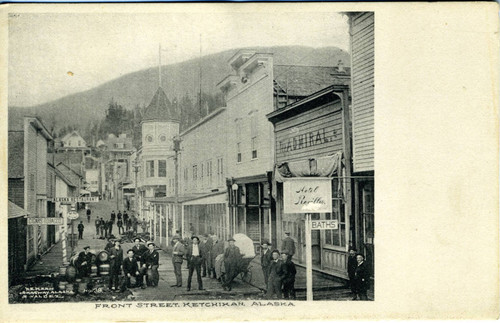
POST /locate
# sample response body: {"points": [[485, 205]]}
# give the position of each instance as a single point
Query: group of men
{"points": [[104, 228], [140, 264], [200, 255], [278, 269]]}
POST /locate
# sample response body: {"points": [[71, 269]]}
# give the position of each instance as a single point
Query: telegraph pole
{"points": [[177, 147], [136, 170]]}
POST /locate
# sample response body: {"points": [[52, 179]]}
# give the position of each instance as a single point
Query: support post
{"points": [[308, 258], [63, 238], [72, 238]]}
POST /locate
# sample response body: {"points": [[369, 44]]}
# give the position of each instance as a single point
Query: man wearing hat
{"points": [[265, 259], [116, 259], [288, 245], [131, 269], [84, 262], [139, 251], [275, 276], [232, 256], [195, 258], [289, 272], [151, 262], [205, 254], [177, 254]]}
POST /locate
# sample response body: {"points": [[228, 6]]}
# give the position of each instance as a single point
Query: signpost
{"points": [[72, 215], [309, 195]]}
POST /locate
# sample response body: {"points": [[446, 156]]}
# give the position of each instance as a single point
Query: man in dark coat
{"points": [[84, 262], [151, 260], [265, 260], [217, 249], [361, 278], [125, 218], [177, 254], [131, 269], [97, 224], [289, 272], [232, 258], [116, 259], [106, 229], [352, 263], [102, 224], [139, 249], [113, 216], [275, 276], [80, 230], [194, 257], [205, 254], [119, 224], [110, 226], [288, 245], [89, 212], [209, 243], [119, 215]]}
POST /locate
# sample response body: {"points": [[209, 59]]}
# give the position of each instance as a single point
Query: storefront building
{"points": [[362, 53], [312, 139]]}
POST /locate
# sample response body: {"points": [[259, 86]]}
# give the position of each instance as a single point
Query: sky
{"points": [[56, 54]]}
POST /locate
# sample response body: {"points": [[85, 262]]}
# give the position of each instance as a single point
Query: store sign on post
{"points": [[308, 195]]}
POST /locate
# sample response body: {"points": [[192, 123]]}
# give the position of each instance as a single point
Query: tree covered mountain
{"points": [[86, 111]]}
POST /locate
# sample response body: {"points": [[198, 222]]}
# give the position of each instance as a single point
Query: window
{"points": [[253, 133], [336, 237], [238, 152], [195, 172], [149, 138], [150, 168], [254, 147], [201, 174], [32, 182], [79, 143], [163, 138], [162, 168], [209, 172]]}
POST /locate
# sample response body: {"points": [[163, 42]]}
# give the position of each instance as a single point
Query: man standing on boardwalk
{"points": [[265, 260], [275, 276], [232, 258], [195, 258], [80, 230], [116, 259], [177, 254], [288, 245], [89, 212], [289, 272]]}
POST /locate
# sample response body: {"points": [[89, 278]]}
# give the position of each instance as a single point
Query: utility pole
{"points": [[136, 170], [177, 147]]}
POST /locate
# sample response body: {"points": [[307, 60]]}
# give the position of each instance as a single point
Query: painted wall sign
{"points": [[307, 195], [305, 140]]}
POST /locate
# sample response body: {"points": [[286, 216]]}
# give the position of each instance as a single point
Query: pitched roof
{"points": [[67, 168], [16, 154], [160, 109], [306, 80], [16, 211], [64, 178]]}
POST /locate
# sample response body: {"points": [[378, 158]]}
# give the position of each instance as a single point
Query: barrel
{"points": [[103, 256], [93, 271], [70, 289], [62, 285], [82, 287], [104, 269], [70, 273], [62, 271]]}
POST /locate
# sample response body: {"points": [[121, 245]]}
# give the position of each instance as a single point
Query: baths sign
{"points": [[307, 195]]}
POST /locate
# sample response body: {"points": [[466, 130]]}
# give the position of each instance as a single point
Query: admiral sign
{"points": [[307, 195]]}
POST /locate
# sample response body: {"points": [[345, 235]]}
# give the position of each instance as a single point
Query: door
{"points": [[368, 224]]}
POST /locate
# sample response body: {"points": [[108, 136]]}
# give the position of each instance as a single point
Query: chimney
{"points": [[340, 66]]}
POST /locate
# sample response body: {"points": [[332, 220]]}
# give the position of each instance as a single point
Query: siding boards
{"points": [[362, 91]]}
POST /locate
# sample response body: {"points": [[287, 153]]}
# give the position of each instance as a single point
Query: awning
{"points": [[191, 199], [16, 211], [325, 166], [130, 186]]}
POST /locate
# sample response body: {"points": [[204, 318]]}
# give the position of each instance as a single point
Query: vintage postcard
{"points": [[226, 161]]}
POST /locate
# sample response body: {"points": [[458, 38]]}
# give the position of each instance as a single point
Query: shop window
{"points": [[336, 238], [195, 172], [253, 194], [162, 168], [150, 168], [209, 172]]}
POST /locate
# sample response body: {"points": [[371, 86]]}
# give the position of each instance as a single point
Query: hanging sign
{"points": [[43, 221], [88, 199], [307, 195], [73, 215], [324, 224]]}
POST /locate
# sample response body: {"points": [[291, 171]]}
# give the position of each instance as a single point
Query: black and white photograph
{"points": [[166, 157], [224, 161]]}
